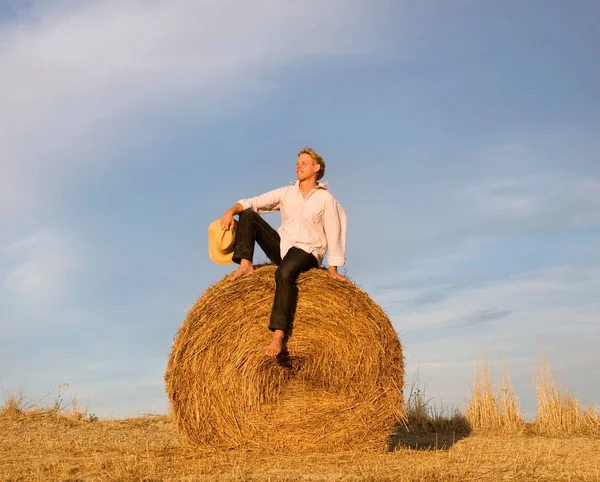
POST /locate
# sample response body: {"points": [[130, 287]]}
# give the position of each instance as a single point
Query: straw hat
{"points": [[221, 243]]}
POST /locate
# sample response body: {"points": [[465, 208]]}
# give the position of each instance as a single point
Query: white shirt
{"points": [[316, 224]]}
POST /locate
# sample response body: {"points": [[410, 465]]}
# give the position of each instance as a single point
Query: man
{"points": [[312, 223]]}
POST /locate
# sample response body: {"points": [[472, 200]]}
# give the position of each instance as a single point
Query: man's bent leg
{"points": [[295, 262], [252, 228]]}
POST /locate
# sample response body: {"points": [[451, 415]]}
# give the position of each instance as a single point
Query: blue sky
{"points": [[462, 139]]}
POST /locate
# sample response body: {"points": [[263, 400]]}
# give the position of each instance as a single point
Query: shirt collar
{"points": [[320, 185]]}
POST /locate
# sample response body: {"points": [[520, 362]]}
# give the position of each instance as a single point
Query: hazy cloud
{"points": [[483, 316], [533, 300], [73, 71], [547, 202], [39, 269]]}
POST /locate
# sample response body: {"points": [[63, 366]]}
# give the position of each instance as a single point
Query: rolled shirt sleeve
{"points": [[265, 203], [334, 223]]}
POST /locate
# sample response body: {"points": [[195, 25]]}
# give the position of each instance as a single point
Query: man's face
{"points": [[306, 167]]}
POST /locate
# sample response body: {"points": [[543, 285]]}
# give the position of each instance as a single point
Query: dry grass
{"points": [[42, 448], [41, 444], [423, 415], [426, 425], [491, 409], [337, 386], [15, 405], [560, 415]]}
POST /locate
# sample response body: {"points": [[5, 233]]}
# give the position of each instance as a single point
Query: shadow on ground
{"points": [[417, 435]]}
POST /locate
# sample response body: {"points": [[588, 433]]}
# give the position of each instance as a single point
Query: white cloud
{"points": [[68, 67], [40, 268], [544, 298], [501, 198], [550, 202]]}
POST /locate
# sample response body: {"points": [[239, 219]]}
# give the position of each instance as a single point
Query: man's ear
{"points": [[318, 167]]}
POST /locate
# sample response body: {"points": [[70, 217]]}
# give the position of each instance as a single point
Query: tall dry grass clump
{"points": [[337, 386], [14, 405], [491, 409], [423, 415], [561, 415]]}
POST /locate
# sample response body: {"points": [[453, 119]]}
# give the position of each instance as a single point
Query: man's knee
{"points": [[248, 214], [284, 273]]}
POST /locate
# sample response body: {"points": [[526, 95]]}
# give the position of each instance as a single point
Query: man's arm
{"points": [[227, 219], [265, 203], [335, 231]]}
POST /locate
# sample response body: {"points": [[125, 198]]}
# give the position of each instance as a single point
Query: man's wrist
{"points": [[333, 269]]}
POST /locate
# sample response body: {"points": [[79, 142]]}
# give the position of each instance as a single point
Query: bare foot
{"points": [[244, 268], [274, 347]]}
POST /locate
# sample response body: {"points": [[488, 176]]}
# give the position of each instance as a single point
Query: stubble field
{"points": [[38, 447], [489, 442]]}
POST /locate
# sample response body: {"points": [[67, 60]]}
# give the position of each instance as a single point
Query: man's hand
{"points": [[227, 220], [334, 273]]}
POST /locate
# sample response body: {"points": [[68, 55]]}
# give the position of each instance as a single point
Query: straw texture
{"points": [[338, 386]]}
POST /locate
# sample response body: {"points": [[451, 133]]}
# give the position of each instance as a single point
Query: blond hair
{"points": [[316, 158]]}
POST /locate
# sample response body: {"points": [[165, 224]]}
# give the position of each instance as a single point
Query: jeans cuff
{"points": [[274, 325]]}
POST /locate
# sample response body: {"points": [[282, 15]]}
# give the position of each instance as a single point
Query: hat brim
{"points": [[219, 257], [218, 251]]}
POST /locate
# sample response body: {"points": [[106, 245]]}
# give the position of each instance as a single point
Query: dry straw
{"points": [[491, 409], [558, 414], [337, 387]]}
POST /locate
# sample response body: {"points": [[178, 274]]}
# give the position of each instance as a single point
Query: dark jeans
{"points": [[252, 228]]}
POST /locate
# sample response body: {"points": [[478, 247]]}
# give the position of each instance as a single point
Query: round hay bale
{"points": [[338, 387]]}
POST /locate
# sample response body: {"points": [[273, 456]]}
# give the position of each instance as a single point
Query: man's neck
{"points": [[307, 185]]}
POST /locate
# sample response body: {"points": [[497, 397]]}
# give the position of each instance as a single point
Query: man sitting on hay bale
{"points": [[312, 223]]}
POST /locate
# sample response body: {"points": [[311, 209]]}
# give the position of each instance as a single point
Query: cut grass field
{"points": [[489, 442]]}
